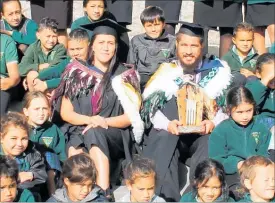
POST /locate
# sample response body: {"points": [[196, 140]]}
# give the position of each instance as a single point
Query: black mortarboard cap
{"points": [[106, 26]]}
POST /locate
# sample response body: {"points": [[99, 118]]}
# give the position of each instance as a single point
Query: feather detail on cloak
{"points": [[127, 88]]}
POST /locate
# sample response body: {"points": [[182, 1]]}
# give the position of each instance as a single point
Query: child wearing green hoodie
{"points": [[257, 180], [8, 182], [48, 138], [240, 136]]}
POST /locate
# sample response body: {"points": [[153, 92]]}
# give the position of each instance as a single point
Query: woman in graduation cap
{"points": [[92, 98]]}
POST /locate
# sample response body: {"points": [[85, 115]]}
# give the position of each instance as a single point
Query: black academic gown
{"points": [[114, 142], [167, 149]]}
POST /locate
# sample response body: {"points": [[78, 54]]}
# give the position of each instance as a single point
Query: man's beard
{"points": [[190, 68]]}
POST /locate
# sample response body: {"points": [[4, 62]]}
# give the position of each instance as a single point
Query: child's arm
{"points": [[27, 63], [258, 90], [37, 167], [60, 147], [217, 150], [29, 38]]}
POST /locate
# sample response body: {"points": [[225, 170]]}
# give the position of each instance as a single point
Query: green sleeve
{"points": [[59, 55], [59, 149], [258, 90], [188, 198], [74, 25], [53, 83], [54, 71], [10, 52], [28, 38], [217, 151], [27, 63]]}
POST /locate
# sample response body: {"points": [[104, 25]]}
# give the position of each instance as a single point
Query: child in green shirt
{"points": [[46, 51], [242, 57], [257, 180], [8, 182], [15, 24], [49, 139]]}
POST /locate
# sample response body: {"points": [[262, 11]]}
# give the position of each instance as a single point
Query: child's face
{"points": [[15, 141], [262, 188], [37, 112], [243, 113], [143, 189], [12, 13], [8, 187], [268, 73], [243, 41], [78, 49], [155, 29], [94, 9], [48, 39], [78, 191], [211, 190]]}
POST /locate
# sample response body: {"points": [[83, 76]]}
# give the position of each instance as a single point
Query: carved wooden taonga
{"points": [[193, 107]]}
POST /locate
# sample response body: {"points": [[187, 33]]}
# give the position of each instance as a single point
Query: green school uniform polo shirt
{"points": [[24, 195], [25, 33], [82, 21], [8, 54]]}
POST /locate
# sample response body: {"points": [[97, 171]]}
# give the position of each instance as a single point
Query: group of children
{"points": [[33, 149]]}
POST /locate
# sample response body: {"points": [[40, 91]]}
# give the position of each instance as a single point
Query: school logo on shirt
{"points": [[47, 140], [256, 136], [253, 62], [165, 52]]}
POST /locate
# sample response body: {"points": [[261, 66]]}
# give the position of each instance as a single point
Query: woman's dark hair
{"points": [[79, 34], [140, 167], [151, 14], [2, 2], [15, 120], [207, 169], [8, 167], [237, 95], [106, 80], [267, 58], [79, 168], [85, 2]]}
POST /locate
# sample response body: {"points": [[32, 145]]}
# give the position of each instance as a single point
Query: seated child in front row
{"points": [[147, 51], [239, 137], [242, 57], [8, 182], [140, 179], [49, 139], [15, 144], [258, 179], [79, 177], [46, 51], [209, 184], [263, 89]]}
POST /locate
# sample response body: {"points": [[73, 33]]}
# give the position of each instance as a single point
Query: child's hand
{"points": [[173, 127], [246, 72], [39, 85], [43, 66], [208, 127], [25, 84], [25, 176], [239, 165]]}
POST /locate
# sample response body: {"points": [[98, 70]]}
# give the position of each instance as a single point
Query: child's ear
{"points": [[258, 74], [66, 182], [37, 35], [247, 184], [128, 185], [233, 40]]}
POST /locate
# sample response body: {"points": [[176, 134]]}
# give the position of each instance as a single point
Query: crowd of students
{"points": [[88, 121]]}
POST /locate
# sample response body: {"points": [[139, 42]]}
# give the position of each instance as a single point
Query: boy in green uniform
{"points": [[78, 46], [43, 53], [242, 57], [9, 74], [15, 24], [8, 183]]}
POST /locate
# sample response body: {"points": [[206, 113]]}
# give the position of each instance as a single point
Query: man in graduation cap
{"points": [[98, 101], [164, 144]]}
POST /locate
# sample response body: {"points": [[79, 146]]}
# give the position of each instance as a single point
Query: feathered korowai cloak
{"points": [[127, 88], [77, 79], [168, 78]]}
